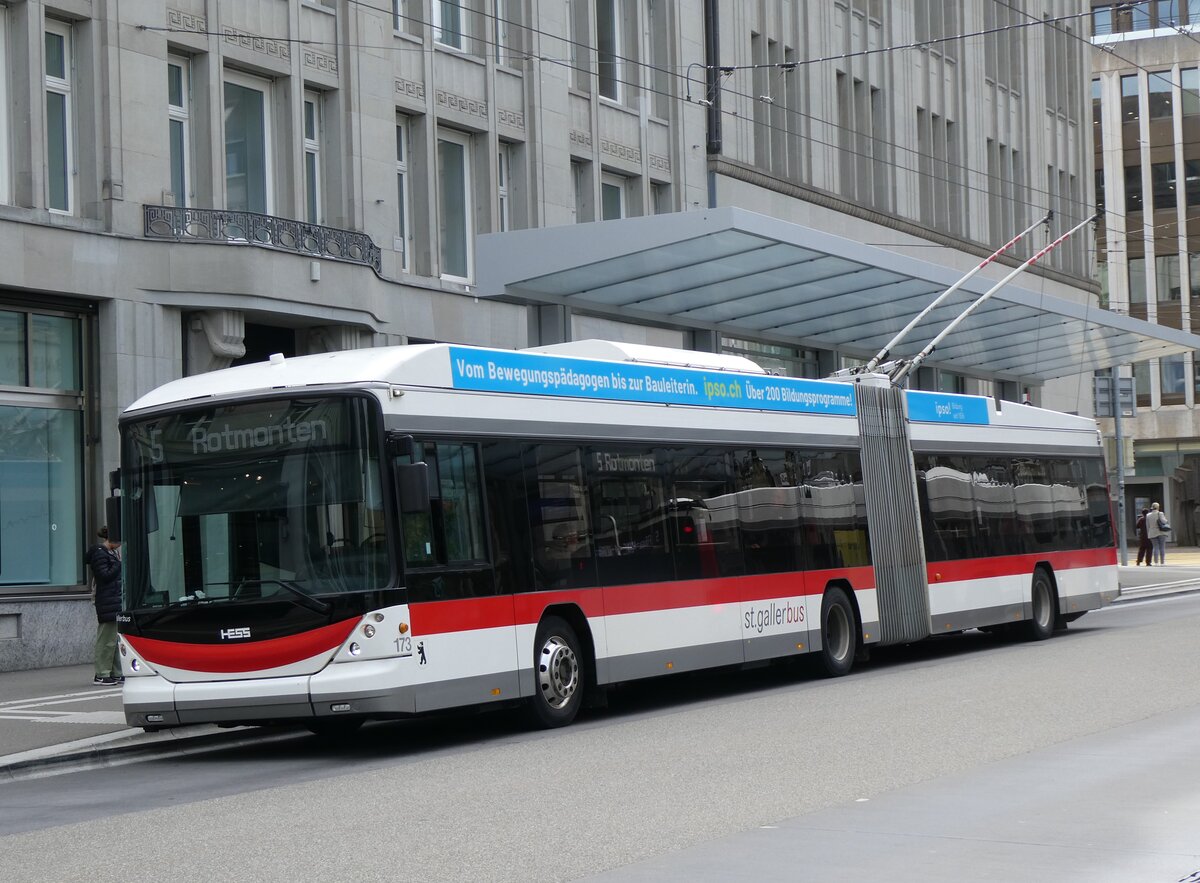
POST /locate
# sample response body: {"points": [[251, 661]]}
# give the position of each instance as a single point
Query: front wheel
{"points": [[558, 674], [1042, 597], [839, 636]]}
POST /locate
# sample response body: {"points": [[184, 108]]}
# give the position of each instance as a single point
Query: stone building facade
{"points": [[197, 183]]}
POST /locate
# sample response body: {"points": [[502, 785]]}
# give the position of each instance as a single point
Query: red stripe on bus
{"points": [[437, 617], [1017, 565], [239, 656]]}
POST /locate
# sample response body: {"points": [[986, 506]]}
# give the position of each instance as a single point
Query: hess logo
{"points": [[233, 634]]}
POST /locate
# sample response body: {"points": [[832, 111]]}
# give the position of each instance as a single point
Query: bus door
{"points": [[462, 629], [668, 608], [774, 608]]}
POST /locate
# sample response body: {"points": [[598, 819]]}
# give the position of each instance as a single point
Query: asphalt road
{"points": [[673, 775]]}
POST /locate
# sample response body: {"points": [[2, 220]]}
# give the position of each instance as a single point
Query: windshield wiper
{"points": [[197, 597], [305, 599]]}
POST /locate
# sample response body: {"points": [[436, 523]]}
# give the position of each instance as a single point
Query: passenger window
{"points": [[452, 530], [631, 515], [769, 510], [834, 509], [559, 518]]}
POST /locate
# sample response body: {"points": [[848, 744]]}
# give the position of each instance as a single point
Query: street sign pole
{"points": [[1115, 387]]}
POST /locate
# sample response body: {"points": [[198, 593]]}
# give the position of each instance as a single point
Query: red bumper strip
{"points": [[238, 656]]}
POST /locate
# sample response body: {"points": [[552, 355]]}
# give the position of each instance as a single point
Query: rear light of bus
{"points": [[369, 630], [403, 628], [354, 649], [135, 665]]}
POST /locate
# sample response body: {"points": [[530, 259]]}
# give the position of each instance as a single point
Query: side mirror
{"points": [[412, 487], [401, 445], [112, 516]]}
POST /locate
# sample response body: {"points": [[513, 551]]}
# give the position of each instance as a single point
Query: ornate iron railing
{"points": [[265, 231]]}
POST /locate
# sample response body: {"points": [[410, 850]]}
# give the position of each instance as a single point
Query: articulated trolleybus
{"points": [[379, 533]]}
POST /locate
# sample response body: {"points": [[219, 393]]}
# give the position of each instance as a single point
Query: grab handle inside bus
{"points": [[412, 487]]}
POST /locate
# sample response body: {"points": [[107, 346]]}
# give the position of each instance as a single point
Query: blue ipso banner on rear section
{"points": [[533, 374], [941, 407]]}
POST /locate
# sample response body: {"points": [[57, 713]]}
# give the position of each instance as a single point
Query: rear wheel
{"points": [[839, 635], [558, 674], [1043, 599]]}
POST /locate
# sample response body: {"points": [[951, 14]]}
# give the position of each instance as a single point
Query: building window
{"points": [[1173, 377], [1137, 281], [612, 197], [1162, 177], [1158, 88], [1189, 79], [448, 23], [178, 94], [312, 157], [41, 444], [503, 174], [403, 195], [4, 194], [1133, 189], [1166, 277], [608, 48], [247, 144], [660, 198], [1129, 98], [455, 210], [1141, 383], [60, 195]]}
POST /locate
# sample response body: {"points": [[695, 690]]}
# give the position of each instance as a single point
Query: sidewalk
{"points": [[54, 716]]}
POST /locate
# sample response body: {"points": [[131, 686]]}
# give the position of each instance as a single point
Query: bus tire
{"points": [[558, 674], [839, 634], [1043, 601]]}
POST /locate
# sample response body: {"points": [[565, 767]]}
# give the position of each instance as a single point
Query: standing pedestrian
{"points": [[1157, 529], [1144, 546], [105, 561]]}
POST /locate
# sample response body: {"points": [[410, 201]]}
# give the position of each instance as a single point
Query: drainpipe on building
{"points": [[712, 89]]}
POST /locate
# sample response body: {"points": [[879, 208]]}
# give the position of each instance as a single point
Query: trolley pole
{"points": [[1120, 446]]}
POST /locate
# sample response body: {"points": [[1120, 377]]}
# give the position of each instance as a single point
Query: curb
{"points": [[89, 753]]}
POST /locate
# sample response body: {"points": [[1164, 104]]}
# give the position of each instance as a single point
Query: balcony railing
{"points": [[265, 231]]}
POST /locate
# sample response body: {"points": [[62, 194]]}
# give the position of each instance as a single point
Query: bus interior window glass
{"points": [[703, 533], [769, 505], [834, 509], [949, 519], [559, 517], [417, 527], [995, 505], [460, 503], [1099, 510], [1035, 504], [508, 516], [632, 541], [1070, 504]]}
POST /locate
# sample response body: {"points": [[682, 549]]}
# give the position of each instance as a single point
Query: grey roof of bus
{"points": [[428, 365]]}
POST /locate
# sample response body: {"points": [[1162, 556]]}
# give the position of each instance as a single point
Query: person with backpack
{"points": [[1144, 546], [105, 561], [1157, 528]]}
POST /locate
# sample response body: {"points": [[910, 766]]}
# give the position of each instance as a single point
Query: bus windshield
{"points": [[272, 499]]}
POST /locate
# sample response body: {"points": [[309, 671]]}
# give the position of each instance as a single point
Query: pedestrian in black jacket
{"points": [[105, 561]]}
